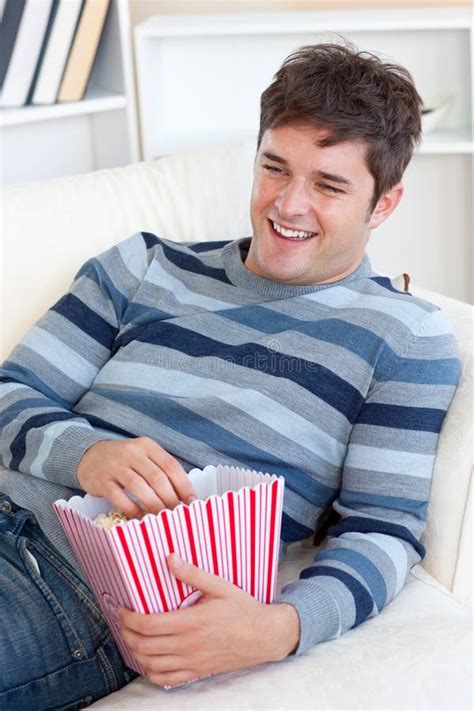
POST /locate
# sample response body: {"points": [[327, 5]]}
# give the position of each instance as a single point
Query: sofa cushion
{"points": [[416, 654]]}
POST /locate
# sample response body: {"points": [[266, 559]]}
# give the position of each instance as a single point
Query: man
{"points": [[283, 352]]}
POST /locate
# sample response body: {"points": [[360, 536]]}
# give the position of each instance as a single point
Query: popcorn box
{"points": [[231, 530]]}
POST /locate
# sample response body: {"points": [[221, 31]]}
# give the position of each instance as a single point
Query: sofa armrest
{"points": [[448, 535]]}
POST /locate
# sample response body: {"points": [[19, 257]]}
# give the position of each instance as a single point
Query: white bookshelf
{"points": [[41, 142], [199, 80], [201, 76]]}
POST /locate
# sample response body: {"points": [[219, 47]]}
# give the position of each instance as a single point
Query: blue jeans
{"points": [[56, 651]]}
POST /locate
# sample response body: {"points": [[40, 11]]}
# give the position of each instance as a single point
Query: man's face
{"points": [[323, 194]]}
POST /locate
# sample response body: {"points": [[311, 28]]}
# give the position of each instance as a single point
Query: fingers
{"points": [[133, 482], [167, 670], [123, 503], [162, 665], [172, 468], [157, 489], [206, 583], [156, 494], [166, 482], [160, 656], [163, 625], [139, 466], [155, 664], [146, 645]]}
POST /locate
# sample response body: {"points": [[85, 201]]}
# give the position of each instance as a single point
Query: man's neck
{"points": [[345, 273]]}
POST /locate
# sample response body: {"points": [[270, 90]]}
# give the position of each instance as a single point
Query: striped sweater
{"points": [[342, 388]]}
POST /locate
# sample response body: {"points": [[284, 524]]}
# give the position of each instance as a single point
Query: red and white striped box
{"points": [[231, 530]]}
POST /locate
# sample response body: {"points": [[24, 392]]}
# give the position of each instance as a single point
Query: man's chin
{"points": [[274, 269], [283, 276]]}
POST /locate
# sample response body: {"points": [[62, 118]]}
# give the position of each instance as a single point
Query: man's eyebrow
{"points": [[272, 156], [318, 173], [333, 178]]}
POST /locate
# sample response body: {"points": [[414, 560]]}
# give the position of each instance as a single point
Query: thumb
{"points": [[195, 577]]}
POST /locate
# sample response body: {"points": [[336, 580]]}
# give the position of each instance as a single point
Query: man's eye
{"points": [[272, 169], [330, 188]]}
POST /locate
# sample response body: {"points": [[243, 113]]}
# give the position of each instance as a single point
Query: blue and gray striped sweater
{"points": [[341, 388]]}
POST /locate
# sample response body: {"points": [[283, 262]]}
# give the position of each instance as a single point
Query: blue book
{"points": [[11, 18]]}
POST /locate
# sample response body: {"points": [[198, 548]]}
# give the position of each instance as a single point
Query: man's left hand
{"points": [[226, 630]]}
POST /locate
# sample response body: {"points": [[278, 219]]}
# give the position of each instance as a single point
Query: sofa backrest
{"points": [[50, 228]]}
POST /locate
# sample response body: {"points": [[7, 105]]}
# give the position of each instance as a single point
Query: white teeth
{"points": [[293, 234]]}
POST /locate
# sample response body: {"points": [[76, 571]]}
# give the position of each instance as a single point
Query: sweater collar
{"points": [[235, 253]]}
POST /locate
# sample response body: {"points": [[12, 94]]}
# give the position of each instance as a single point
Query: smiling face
{"points": [[310, 207]]}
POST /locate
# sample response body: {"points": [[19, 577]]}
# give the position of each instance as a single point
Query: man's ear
{"points": [[386, 205]]}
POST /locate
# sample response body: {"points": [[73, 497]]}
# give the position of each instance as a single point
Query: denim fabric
{"points": [[56, 651]]}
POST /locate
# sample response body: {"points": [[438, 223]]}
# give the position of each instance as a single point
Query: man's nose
{"points": [[293, 200]]}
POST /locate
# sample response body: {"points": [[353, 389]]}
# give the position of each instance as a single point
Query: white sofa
{"points": [[417, 653]]}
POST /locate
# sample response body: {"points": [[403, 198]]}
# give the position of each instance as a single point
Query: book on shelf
{"points": [[12, 10], [83, 51], [56, 52], [47, 34], [25, 54]]}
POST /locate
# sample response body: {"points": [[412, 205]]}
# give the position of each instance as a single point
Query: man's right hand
{"points": [[141, 467]]}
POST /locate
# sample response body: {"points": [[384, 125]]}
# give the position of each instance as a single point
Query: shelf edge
{"points": [[32, 114]]}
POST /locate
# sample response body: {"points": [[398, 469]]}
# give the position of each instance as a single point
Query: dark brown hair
{"points": [[355, 96]]}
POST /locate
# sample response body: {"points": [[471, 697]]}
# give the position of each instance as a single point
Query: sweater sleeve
{"points": [[56, 362], [386, 482]]}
